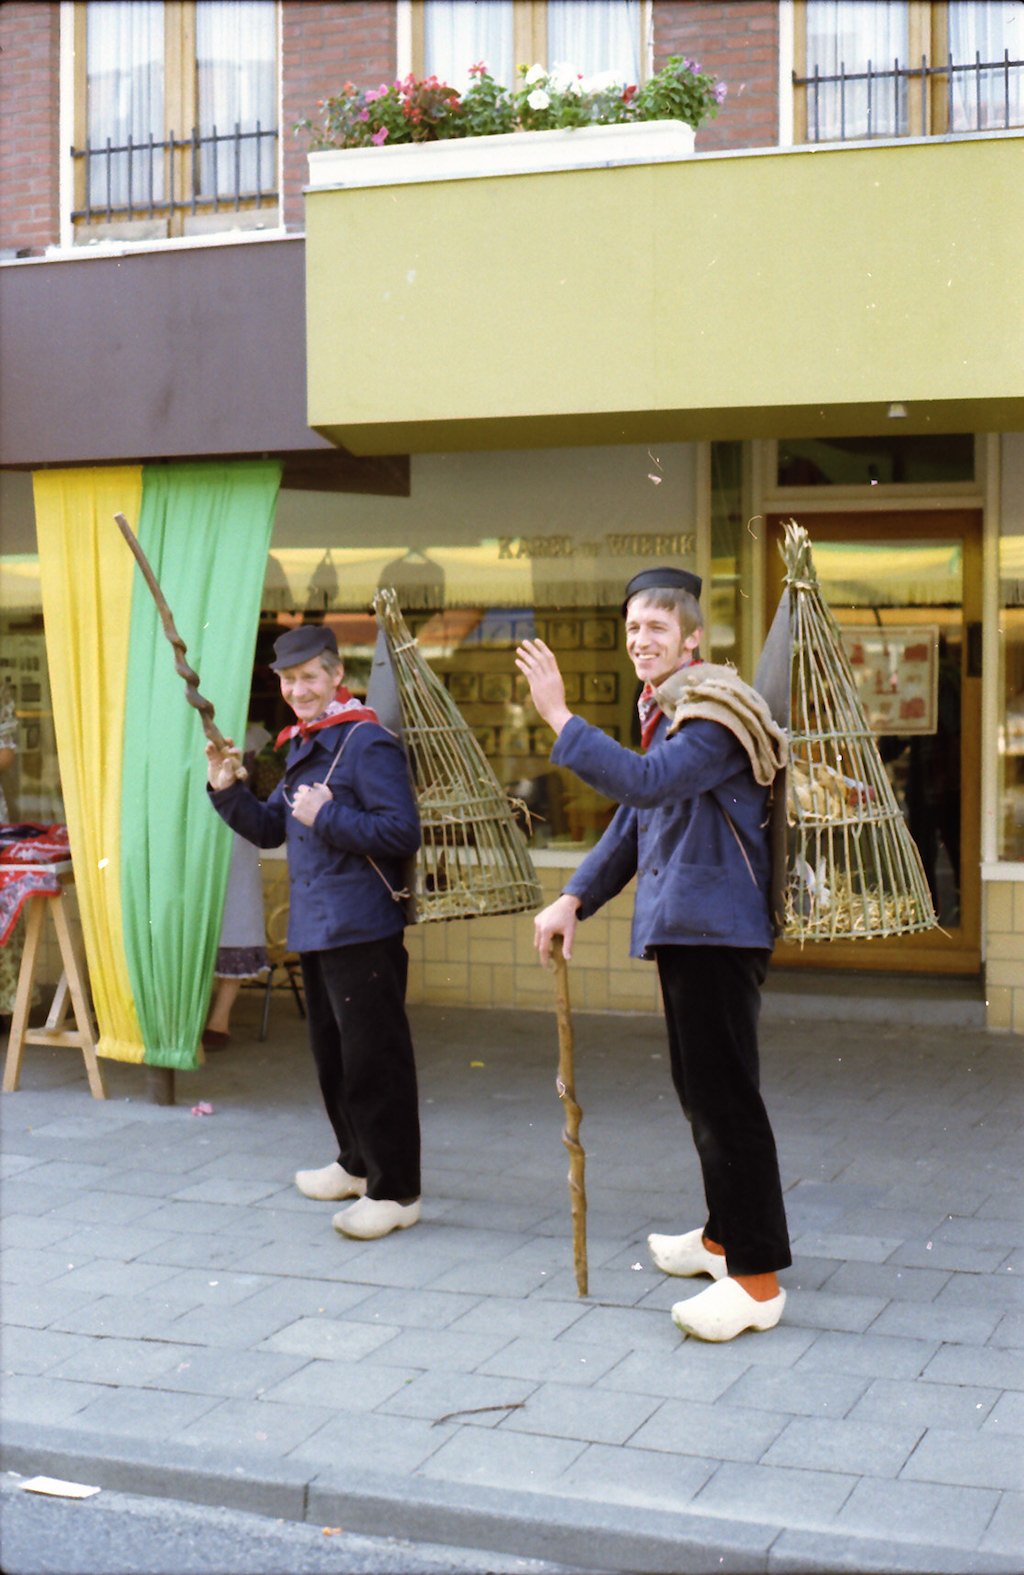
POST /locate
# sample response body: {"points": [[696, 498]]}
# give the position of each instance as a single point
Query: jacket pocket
{"points": [[699, 902]]}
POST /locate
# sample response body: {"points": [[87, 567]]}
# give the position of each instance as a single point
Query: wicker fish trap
{"points": [[852, 868], [473, 860]]}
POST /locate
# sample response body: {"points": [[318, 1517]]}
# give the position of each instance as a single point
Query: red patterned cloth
{"points": [[22, 850], [343, 708], [650, 711]]}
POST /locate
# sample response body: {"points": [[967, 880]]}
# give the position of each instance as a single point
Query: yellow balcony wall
{"points": [[771, 293]]}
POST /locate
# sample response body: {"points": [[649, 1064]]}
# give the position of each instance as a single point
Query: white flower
{"points": [[601, 82], [563, 79], [538, 99], [535, 74]]}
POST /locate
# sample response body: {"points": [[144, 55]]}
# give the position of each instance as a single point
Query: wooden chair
{"points": [[279, 957]]}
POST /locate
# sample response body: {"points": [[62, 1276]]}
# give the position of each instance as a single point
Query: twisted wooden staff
{"points": [[573, 1114], [191, 677]]}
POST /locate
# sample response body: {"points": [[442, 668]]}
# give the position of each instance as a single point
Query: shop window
{"points": [[590, 36], [175, 117], [488, 550], [1011, 731], [923, 460], [892, 68], [31, 783], [732, 567]]}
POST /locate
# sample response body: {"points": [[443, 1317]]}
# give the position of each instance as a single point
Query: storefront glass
{"points": [[1011, 729], [487, 550], [31, 782], [732, 547], [924, 459]]}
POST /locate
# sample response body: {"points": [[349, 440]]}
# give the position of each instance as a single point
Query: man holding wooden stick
{"points": [[692, 826], [348, 815]]}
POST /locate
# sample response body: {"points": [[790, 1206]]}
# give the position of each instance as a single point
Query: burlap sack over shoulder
{"points": [[718, 694]]}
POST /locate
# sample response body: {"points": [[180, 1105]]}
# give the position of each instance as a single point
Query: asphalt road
{"points": [[120, 1534]]}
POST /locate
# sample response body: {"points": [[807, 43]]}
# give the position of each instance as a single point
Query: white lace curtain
{"points": [[846, 35], [850, 33], [459, 33], [983, 30], [125, 97], [236, 59], [589, 36], [596, 37], [236, 55]]}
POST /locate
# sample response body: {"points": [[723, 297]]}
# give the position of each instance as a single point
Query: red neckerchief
{"points": [[650, 710], [341, 709]]}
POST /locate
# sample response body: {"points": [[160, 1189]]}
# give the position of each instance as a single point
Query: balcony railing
{"points": [[212, 172], [956, 96]]}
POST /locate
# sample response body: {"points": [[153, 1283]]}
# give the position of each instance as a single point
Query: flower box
{"points": [[514, 153]]}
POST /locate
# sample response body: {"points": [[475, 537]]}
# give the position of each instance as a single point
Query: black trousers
{"points": [[712, 998], [359, 1035]]}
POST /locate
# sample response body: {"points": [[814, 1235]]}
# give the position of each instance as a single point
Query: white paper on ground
{"points": [[57, 1488]]}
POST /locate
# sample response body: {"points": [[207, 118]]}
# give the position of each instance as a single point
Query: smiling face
{"points": [[309, 688], [655, 641]]}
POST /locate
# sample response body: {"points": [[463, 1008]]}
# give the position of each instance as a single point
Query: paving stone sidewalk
{"points": [[179, 1320]]}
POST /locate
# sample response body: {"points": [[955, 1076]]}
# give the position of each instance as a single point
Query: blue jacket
{"points": [[700, 880], [337, 898]]}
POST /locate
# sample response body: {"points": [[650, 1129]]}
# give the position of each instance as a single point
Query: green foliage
{"points": [[414, 109]]}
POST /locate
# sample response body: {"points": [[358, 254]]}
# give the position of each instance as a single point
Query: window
{"points": [[489, 549], [1011, 729], [877, 461], [31, 783], [590, 36], [891, 68], [175, 117]]}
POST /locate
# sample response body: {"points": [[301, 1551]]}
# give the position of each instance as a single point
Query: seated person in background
{"points": [[242, 950]]}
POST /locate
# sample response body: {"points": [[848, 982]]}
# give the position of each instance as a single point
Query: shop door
{"points": [[905, 589]]}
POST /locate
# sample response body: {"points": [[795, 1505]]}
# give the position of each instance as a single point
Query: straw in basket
{"points": [[852, 868], [473, 861]]}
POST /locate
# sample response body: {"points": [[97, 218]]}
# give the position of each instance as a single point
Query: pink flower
{"points": [[478, 70], [364, 114], [379, 136]]}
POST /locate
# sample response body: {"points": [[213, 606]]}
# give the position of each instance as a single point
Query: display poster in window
{"points": [[896, 668]]}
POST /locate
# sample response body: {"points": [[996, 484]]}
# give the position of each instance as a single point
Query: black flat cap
{"points": [[301, 645], [663, 579]]}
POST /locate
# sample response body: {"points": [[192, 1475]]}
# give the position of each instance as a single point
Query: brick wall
{"points": [[492, 962], [737, 40], [323, 46], [1004, 954], [29, 124]]}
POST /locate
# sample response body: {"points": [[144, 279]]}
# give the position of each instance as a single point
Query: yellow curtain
{"points": [[86, 572]]}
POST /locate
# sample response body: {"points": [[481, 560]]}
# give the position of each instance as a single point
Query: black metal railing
{"points": [[130, 180], [993, 103]]}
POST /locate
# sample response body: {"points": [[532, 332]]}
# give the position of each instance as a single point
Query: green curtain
{"points": [[206, 531]]}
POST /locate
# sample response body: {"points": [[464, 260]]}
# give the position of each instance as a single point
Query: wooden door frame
{"points": [[934, 951]]}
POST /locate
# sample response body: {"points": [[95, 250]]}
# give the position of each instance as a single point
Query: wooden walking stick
{"points": [[573, 1114], [191, 677]]}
